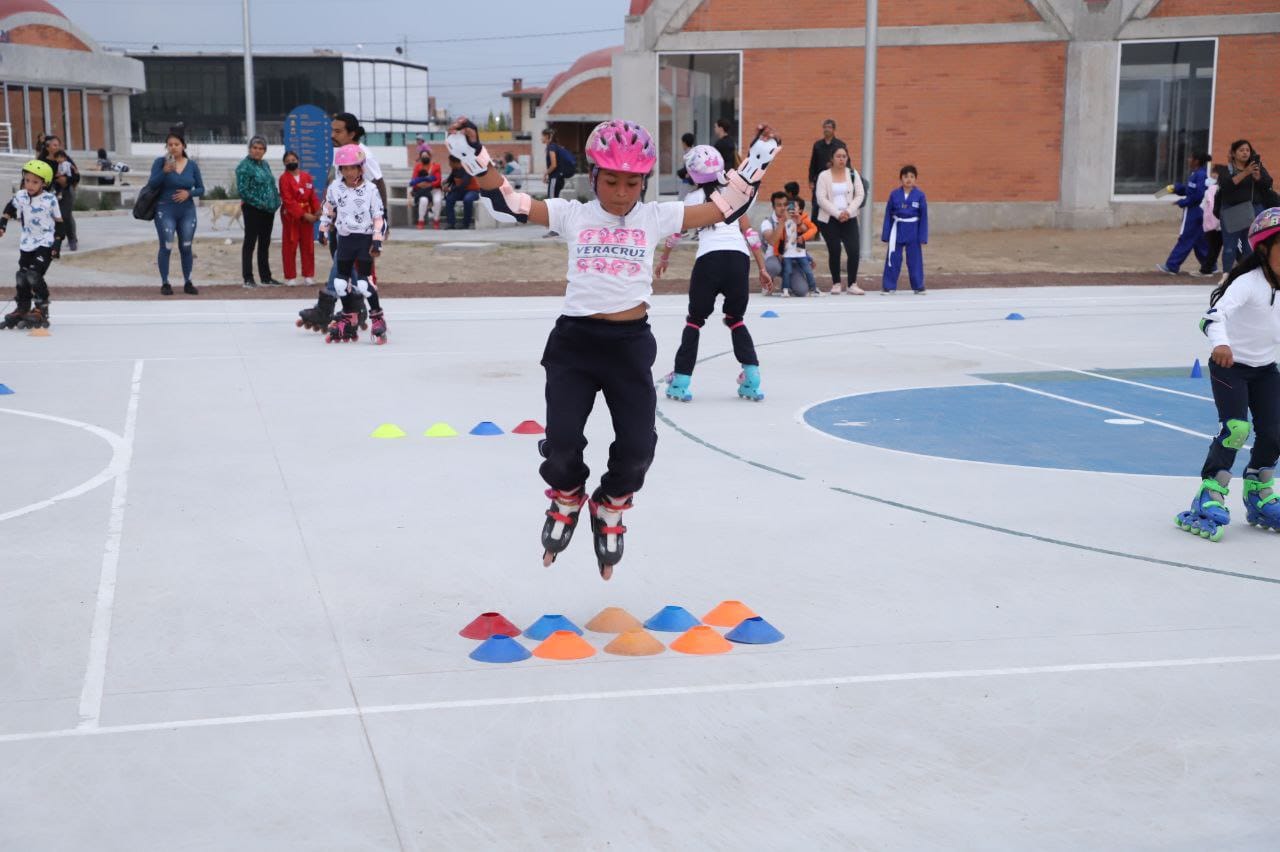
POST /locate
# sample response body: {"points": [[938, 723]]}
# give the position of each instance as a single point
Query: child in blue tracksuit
{"points": [[1191, 236], [906, 229]]}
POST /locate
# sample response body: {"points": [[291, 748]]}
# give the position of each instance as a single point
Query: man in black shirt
{"points": [[724, 142], [820, 159]]}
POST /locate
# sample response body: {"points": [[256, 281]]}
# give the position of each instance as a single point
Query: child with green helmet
{"points": [[38, 211]]}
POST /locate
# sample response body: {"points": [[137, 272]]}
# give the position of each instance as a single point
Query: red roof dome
{"points": [[602, 58], [9, 8]]}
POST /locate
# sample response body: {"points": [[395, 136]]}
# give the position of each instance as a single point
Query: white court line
{"points": [[613, 695], [112, 469], [1088, 373], [1115, 411], [100, 636]]}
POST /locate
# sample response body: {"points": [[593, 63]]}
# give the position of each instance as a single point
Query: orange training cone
{"points": [[635, 643], [564, 645], [700, 640], [613, 619], [728, 614]]}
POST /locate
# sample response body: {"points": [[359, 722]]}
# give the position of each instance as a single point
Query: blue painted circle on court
{"points": [[1048, 420]]}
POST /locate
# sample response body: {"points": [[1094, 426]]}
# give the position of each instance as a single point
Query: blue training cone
{"points": [[548, 624], [769, 315], [500, 648], [486, 427], [754, 631], [1195, 370], [1015, 316], [671, 619], [4, 389]]}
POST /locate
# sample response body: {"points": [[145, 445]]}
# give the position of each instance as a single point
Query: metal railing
{"points": [[6, 137]]}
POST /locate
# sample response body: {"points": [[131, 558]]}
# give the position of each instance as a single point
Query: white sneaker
{"points": [[837, 289], [855, 290], [310, 282], [786, 294], [290, 282]]}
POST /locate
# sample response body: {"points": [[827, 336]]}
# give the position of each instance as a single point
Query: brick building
{"points": [[1017, 112], [55, 78]]}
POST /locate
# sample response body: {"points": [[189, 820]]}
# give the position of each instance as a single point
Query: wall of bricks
{"points": [[981, 124], [1197, 8], [1242, 108], [41, 35], [823, 14], [592, 97]]}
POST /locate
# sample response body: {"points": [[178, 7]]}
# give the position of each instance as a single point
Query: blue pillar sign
{"points": [[308, 133]]}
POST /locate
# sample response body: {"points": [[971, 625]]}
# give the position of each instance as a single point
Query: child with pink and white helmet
{"points": [[353, 210], [602, 341], [722, 268], [1243, 325]]}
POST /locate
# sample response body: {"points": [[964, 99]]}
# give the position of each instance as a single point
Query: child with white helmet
{"points": [[722, 268], [1243, 325], [602, 342], [353, 208], [38, 211]]}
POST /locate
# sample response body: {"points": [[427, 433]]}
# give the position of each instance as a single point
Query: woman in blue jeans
{"points": [[178, 180]]}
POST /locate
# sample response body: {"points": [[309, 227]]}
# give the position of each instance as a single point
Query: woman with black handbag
{"points": [[176, 179]]}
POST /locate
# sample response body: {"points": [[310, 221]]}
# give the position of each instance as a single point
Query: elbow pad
{"points": [[507, 203]]}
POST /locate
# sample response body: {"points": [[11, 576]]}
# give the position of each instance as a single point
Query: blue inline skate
{"points": [[678, 387], [1261, 503], [1208, 516], [749, 383]]}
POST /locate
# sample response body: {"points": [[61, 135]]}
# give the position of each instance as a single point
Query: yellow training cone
{"points": [[441, 430], [38, 332], [388, 430]]}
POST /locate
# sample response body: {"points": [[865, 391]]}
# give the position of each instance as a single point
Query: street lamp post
{"points": [[250, 108], [868, 125]]}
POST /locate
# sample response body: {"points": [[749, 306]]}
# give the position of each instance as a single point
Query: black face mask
{"points": [[292, 167], [425, 160]]}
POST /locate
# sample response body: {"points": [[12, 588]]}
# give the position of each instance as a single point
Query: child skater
{"points": [[722, 268], [906, 227], [299, 209], [1191, 235], [1243, 325], [602, 341], [37, 209], [353, 207]]}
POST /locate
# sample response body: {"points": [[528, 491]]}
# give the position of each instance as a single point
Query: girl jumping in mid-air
{"points": [[602, 342], [722, 268], [353, 207], [1243, 324]]}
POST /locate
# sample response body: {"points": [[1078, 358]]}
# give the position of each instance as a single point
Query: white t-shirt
{"points": [[792, 249], [717, 237], [38, 216], [353, 209], [1247, 318], [372, 171], [841, 195], [610, 266]]}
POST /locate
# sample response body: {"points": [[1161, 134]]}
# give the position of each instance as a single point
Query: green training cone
{"points": [[388, 430], [441, 430]]}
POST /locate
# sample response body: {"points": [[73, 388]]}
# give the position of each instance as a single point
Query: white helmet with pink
{"points": [[704, 164], [622, 146]]}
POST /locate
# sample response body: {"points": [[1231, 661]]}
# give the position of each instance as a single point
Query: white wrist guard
{"points": [[758, 159], [508, 204], [475, 159], [735, 196]]}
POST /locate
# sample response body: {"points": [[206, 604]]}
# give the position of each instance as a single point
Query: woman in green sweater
{"points": [[260, 199]]}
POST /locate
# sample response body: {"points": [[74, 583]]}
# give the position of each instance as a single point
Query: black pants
{"points": [[352, 255], [836, 234], [66, 229], [718, 273], [584, 357], [32, 265], [555, 186], [257, 232], [1210, 264], [1237, 391]]}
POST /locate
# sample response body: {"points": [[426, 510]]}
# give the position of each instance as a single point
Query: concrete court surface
{"points": [[230, 617]]}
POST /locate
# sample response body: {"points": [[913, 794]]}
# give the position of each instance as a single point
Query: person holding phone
{"points": [[1241, 197], [177, 179]]}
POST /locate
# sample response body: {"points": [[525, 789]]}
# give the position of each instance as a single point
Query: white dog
{"points": [[230, 209]]}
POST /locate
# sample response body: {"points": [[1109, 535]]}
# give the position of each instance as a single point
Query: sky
{"points": [[472, 51]]}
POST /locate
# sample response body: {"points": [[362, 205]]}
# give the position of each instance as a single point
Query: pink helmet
{"points": [[622, 146], [704, 164], [1266, 225], [348, 155]]}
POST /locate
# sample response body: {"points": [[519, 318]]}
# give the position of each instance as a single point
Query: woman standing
{"points": [[840, 195], [299, 209], [259, 200], [1240, 199], [177, 179], [64, 187]]}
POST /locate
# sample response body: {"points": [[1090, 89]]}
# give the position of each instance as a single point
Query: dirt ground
{"points": [[1004, 258]]}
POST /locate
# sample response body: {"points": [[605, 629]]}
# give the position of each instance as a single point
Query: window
{"points": [[1163, 112], [694, 90]]}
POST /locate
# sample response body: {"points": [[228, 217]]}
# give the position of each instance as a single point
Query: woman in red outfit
{"points": [[299, 209]]}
